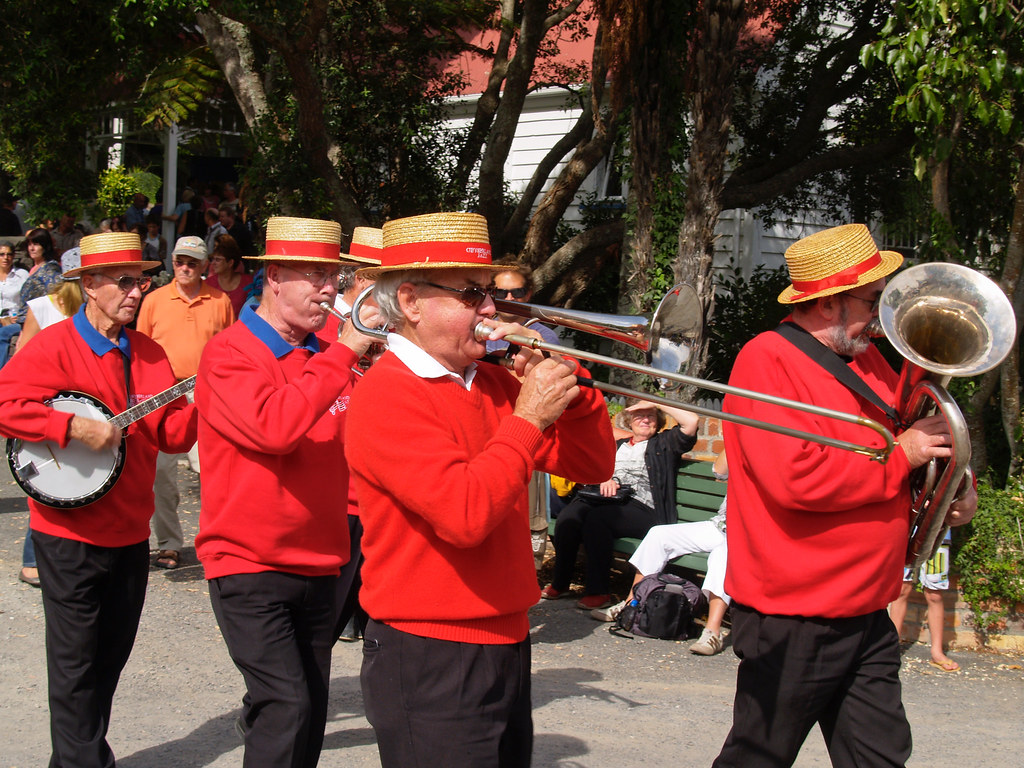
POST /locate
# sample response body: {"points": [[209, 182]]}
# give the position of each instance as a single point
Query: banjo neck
{"points": [[153, 403]]}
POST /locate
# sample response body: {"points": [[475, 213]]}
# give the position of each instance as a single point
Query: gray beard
{"points": [[841, 343]]}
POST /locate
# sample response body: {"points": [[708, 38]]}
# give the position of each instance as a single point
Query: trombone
{"points": [[667, 340]]}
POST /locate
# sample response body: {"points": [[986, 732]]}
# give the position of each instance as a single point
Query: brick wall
{"points": [[958, 630], [709, 440]]}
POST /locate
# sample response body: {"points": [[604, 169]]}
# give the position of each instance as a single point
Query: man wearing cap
{"points": [[94, 560], [817, 535], [181, 317], [272, 400], [441, 450]]}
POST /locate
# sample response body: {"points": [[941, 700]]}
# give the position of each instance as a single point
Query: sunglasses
{"points": [[501, 293], [471, 297], [126, 283]]}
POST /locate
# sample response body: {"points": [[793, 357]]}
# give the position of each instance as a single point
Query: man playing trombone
{"points": [[817, 536], [441, 450]]}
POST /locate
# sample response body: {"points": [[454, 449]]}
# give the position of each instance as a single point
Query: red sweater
{"points": [[271, 435], [813, 531], [442, 475], [59, 358]]}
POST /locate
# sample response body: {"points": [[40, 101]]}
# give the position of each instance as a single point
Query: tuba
{"points": [[945, 320]]}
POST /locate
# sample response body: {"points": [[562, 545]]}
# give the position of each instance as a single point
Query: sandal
{"points": [[946, 666], [167, 558]]}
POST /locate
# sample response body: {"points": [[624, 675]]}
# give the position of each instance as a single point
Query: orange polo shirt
{"points": [[182, 326]]}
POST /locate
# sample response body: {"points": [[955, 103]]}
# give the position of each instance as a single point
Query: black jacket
{"points": [[662, 459]]}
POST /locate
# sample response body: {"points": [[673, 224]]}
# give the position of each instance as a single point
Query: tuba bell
{"points": [[945, 320]]}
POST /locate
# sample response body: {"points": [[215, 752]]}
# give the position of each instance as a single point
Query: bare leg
{"points": [[898, 608], [716, 612], [936, 624]]}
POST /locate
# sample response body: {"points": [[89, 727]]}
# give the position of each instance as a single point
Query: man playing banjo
{"points": [[93, 549]]}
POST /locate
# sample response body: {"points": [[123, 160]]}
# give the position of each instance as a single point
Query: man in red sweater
{"points": [[817, 535], [94, 560], [272, 400], [441, 450]]}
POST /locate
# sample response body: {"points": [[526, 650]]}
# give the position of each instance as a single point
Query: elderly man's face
{"points": [[856, 319], [116, 292], [188, 272], [301, 287], [444, 321]]}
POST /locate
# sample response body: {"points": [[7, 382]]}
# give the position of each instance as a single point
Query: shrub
{"points": [[991, 556]]}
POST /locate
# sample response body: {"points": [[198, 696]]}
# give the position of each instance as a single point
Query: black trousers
{"points": [[92, 601], [436, 702], [277, 627], [349, 582], [794, 672], [596, 527]]}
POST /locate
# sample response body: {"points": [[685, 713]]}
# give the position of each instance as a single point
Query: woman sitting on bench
{"points": [[664, 543], [647, 462]]}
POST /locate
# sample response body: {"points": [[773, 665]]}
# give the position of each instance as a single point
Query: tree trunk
{"points": [[229, 42], [1007, 376], [532, 29], [719, 25]]}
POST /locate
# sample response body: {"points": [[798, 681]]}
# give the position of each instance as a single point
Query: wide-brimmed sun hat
{"points": [[294, 239], [110, 249], [435, 241], [367, 243], [835, 260]]}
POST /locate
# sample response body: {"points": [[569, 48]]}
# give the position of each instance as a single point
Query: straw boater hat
{"points": [[291, 239], [110, 249], [835, 260], [366, 246], [435, 241]]}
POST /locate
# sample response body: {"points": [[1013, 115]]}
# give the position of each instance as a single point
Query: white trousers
{"points": [[667, 542]]}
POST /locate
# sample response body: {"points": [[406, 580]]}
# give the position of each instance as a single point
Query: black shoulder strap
{"points": [[835, 365]]}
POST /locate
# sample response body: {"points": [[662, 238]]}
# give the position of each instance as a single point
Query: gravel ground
{"points": [[599, 700]]}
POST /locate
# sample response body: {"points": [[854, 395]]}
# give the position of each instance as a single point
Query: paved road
{"points": [[600, 701]]}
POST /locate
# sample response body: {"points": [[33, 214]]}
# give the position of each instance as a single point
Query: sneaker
{"points": [[608, 614], [708, 645], [592, 602]]}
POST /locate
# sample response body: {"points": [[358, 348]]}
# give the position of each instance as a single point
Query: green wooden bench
{"points": [[698, 497]]}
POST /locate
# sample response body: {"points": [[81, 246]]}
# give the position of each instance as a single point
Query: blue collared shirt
{"points": [[97, 342], [265, 332]]}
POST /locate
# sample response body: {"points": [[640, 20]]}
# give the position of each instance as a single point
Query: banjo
{"points": [[74, 476]]}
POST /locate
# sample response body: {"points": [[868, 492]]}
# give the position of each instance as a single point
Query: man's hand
{"points": [[97, 435], [962, 510], [369, 314], [525, 358], [926, 439], [548, 388], [609, 487]]}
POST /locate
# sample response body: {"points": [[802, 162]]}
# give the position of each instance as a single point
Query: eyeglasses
{"points": [[127, 283], [872, 302], [473, 296], [318, 277], [501, 293], [190, 263]]}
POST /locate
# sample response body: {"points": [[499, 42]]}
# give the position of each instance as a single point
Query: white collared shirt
{"points": [[423, 365]]}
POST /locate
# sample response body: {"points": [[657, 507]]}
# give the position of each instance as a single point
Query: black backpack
{"points": [[663, 606]]}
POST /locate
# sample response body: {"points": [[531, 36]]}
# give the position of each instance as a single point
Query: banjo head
{"points": [[67, 477]]}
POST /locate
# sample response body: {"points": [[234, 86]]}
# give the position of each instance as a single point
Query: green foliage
{"points": [[744, 307], [177, 87], [118, 186], [991, 557]]}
